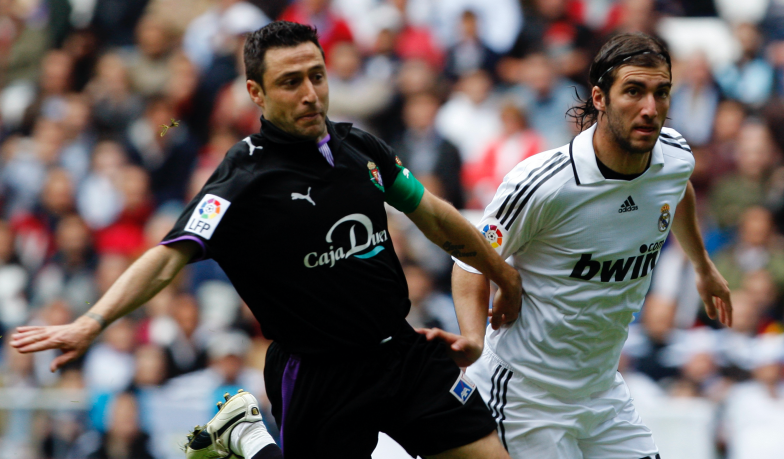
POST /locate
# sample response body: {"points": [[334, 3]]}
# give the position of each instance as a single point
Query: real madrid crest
{"points": [[375, 175], [665, 218]]}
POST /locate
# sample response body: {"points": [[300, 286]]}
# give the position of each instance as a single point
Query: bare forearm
{"points": [[445, 227], [687, 230], [144, 279], [471, 293]]}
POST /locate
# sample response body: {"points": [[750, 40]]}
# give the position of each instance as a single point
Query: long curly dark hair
{"points": [[636, 49]]}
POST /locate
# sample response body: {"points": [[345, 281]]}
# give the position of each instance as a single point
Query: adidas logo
{"points": [[627, 205]]}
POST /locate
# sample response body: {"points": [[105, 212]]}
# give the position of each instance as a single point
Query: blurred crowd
{"points": [[461, 89]]}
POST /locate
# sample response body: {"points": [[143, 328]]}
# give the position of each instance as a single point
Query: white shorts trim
{"points": [[533, 422]]}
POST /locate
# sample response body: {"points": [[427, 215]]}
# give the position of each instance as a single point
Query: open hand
{"points": [[715, 294], [464, 351], [73, 339]]}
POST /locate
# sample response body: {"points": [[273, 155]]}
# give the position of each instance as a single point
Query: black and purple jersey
{"points": [[305, 242]]}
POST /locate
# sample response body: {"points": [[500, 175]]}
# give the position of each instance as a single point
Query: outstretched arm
{"points": [[713, 288], [444, 225], [141, 281]]}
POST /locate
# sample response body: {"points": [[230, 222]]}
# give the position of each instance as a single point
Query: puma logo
{"points": [[306, 197], [251, 146]]}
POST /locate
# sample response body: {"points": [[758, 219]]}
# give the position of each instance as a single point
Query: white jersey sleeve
{"points": [[519, 211], [673, 138]]}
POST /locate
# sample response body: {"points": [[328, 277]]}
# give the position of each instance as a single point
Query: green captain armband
{"points": [[406, 192]]}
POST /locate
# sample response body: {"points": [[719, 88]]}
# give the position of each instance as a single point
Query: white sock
{"points": [[248, 438]]}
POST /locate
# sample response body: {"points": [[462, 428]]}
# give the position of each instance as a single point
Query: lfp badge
{"points": [[493, 235], [207, 215], [210, 208]]}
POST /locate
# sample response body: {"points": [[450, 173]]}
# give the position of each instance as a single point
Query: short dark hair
{"points": [[636, 49], [278, 34]]}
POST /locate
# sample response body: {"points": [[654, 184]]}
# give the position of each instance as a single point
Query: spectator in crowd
{"points": [[124, 437], [182, 338], [429, 308], [758, 247], [26, 164], [69, 274], [516, 142], [434, 160], [750, 78], [751, 185], [694, 102], [354, 95], [415, 41], [125, 235], [737, 345], [115, 21], [556, 28], [730, 118], [148, 64], [214, 43], [414, 76], [168, 158], [54, 82], [470, 53], [99, 199], [754, 414], [115, 103], [234, 115], [13, 282], [332, 28], [674, 287], [212, 34], [109, 366], [34, 228], [657, 335], [226, 371], [546, 96], [470, 118], [499, 21]]}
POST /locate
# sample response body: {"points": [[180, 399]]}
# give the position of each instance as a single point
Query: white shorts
{"points": [[533, 422]]}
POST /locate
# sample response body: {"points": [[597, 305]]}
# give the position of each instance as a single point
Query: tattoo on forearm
{"points": [[457, 250]]}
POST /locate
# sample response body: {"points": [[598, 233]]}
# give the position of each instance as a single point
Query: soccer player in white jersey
{"points": [[583, 225]]}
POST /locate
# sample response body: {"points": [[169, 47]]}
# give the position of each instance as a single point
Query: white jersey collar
{"points": [[583, 157]]}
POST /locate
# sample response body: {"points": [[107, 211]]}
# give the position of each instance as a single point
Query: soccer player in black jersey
{"points": [[295, 217]]}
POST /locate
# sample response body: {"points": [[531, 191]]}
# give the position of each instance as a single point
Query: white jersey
{"points": [[585, 247]]}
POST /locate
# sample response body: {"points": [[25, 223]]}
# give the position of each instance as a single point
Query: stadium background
{"points": [[463, 89]]}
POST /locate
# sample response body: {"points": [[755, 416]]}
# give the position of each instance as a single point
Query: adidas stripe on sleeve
{"points": [[517, 213]]}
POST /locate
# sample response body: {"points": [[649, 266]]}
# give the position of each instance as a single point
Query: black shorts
{"points": [[335, 405]]}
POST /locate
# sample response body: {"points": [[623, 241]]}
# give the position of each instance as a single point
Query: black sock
{"points": [[271, 451]]}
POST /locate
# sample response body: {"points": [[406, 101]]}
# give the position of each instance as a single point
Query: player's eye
{"points": [[633, 91]]}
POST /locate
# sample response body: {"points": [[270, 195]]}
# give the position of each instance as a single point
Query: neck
{"points": [[296, 136], [614, 156]]}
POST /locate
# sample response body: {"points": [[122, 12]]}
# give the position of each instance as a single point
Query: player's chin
{"points": [[312, 127], [642, 144]]}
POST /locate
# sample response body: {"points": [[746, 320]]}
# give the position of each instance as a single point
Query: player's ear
{"points": [[599, 99], [256, 92]]}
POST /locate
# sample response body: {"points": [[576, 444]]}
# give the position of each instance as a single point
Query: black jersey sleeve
{"points": [[207, 217]]}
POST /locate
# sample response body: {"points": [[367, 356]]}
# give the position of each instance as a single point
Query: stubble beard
{"points": [[620, 137]]}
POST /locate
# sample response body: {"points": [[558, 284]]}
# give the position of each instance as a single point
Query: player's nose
{"points": [[309, 95], [649, 108]]}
